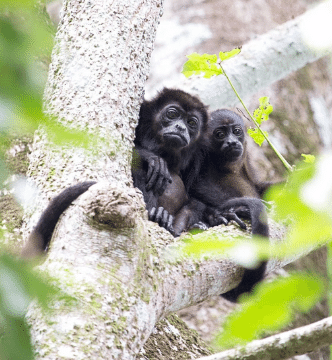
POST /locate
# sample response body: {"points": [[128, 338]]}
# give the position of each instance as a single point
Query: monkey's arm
{"points": [[158, 175], [41, 234]]}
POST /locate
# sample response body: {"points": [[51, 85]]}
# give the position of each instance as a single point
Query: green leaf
{"points": [[201, 64], [310, 159], [16, 340], [263, 111], [18, 286], [271, 307], [257, 136], [229, 54], [17, 3], [306, 199]]}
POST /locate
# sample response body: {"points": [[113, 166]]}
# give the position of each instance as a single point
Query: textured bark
{"points": [[105, 253], [282, 346]]}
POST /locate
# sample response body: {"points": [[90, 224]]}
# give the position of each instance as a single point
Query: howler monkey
{"points": [[227, 187], [167, 134]]}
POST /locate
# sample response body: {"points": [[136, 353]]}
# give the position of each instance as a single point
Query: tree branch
{"points": [[282, 346], [262, 61]]}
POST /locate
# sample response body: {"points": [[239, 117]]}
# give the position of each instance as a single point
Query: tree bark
{"points": [[105, 253], [282, 346]]}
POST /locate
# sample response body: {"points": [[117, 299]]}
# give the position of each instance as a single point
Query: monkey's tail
{"points": [[41, 234], [259, 226]]}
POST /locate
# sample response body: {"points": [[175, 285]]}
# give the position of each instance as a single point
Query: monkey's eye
{"points": [[237, 131], [192, 122], [220, 134], [172, 113]]}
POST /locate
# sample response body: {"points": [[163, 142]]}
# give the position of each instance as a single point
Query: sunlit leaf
{"points": [[201, 64], [263, 111], [310, 159], [257, 136], [271, 307], [311, 222], [17, 3], [16, 340], [229, 54], [242, 250]]}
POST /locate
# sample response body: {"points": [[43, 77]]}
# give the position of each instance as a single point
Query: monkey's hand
{"points": [[158, 175], [162, 217], [216, 217]]}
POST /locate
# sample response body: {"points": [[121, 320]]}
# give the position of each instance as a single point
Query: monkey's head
{"points": [[225, 136], [174, 119]]}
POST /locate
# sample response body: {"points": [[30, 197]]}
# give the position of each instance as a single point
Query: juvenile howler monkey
{"points": [[168, 129], [227, 187]]}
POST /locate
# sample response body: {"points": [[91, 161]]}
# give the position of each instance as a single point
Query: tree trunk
{"points": [[105, 253]]}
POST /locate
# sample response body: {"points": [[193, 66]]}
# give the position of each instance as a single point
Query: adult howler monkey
{"points": [[227, 187], [169, 129], [167, 134]]}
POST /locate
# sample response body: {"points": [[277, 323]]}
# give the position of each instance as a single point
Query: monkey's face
{"points": [[226, 135], [177, 128]]}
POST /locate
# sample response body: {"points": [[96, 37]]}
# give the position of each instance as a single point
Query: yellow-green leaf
{"points": [[257, 136], [229, 54], [310, 159], [201, 64], [271, 306]]}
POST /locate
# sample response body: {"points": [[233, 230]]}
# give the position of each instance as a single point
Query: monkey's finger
{"points": [[169, 225], [159, 215], [163, 178], [152, 214], [164, 219], [221, 220], [159, 188], [215, 220], [155, 168], [233, 216], [151, 165], [164, 170]]}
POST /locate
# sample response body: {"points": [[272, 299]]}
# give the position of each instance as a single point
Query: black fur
{"points": [[168, 133], [41, 234], [227, 188]]}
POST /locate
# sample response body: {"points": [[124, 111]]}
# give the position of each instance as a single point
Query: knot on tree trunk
{"points": [[114, 204]]}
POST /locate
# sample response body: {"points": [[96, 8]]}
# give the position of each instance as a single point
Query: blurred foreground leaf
{"points": [[272, 306], [18, 286]]}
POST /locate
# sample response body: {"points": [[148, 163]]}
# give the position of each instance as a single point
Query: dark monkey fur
{"points": [[227, 187], [168, 133]]}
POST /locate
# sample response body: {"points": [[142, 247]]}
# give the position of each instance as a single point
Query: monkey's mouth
{"points": [[176, 139], [233, 153]]}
